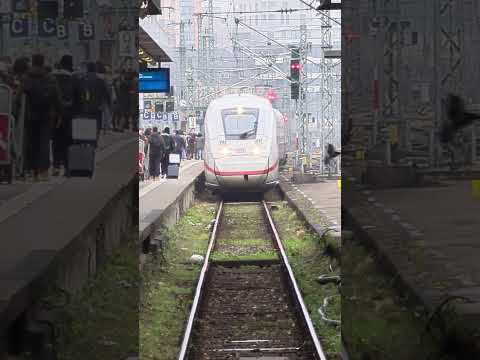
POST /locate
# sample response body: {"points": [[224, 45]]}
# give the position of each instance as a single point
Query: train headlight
{"points": [[240, 110], [225, 151], [256, 150]]}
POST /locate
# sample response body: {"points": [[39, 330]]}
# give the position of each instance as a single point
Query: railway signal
{"points": [[295, 76], [295, 73]]}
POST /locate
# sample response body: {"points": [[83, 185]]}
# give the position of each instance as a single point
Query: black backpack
{"points": [[66, 85], [91, 96], [169, 143], [39, 94], [157, 143]]}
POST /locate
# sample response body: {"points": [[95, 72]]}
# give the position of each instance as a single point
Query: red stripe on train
{"points": [[240, 173]]}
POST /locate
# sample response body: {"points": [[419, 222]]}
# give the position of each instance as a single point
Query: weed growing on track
{"points": [[381, 325], [243, 235], [168, 287], [101, 321], [306, 256]]}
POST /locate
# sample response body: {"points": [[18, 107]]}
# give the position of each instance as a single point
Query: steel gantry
{"points": [[301, 111], [328, 114]]}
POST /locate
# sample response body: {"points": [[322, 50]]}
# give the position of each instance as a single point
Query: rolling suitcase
{"points": [[81, 160], [81, 154], [173, 171]]}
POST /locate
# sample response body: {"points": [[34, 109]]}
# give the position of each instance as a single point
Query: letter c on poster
{"points": [[19, 27]]}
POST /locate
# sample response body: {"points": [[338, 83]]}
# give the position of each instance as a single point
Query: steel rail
{"points": [[198, 291], [306, 317]]}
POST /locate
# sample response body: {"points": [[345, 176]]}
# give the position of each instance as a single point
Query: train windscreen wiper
{"points": [[247, 133]]}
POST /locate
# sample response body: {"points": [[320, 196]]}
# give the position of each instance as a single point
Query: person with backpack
{"points": [[94, 96], [179, 143], [200, 146], [122, 92], [69, 103], [106, 113], [42, 103], [169, 149], [157, 150], [192, 145]]}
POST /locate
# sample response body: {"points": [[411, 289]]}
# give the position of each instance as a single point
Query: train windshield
{"points": [[240, 123]]}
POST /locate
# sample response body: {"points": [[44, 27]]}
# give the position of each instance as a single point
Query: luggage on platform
{"points": [[81, 154], [81, 160], [173, 171]]}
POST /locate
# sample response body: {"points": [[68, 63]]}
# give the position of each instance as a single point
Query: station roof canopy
{"points": [[156, 48]]}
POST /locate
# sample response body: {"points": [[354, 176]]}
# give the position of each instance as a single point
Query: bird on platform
{"points": [[331, 154], [458, 118]]}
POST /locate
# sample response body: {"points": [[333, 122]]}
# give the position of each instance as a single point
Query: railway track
{"points": [[247, 303]]}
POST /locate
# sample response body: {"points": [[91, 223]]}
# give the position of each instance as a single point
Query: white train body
{"points": [[241, 148]]}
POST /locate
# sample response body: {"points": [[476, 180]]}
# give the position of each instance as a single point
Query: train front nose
{"points": [[242, 174]]}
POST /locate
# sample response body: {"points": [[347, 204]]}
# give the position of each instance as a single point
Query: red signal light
{"points": [[295, 66], [271, 96]]}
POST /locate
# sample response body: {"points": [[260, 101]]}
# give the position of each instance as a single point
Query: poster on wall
{"points": [[127, 43]]}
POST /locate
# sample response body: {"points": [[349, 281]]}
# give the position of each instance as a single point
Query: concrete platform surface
{"points": [[156, 197], [320, 206], [324, 197], [430, 237], [38, 224]]}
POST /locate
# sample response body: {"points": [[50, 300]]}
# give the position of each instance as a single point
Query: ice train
{"points": [[244, 144]]}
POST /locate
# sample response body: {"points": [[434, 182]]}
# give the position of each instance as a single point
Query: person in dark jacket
{"points": [[169, 149], [179, 143], [157, 150], [70, 103], [124, 104], [42, 102], [95, 95], [200, 146]]}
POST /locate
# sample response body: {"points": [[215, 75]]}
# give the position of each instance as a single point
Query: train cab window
{"points": [[240, 123]]}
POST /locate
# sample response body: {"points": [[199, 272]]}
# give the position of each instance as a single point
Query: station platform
{"points": [[319, 204], [50, 229], [428, 236], [162, 202]]}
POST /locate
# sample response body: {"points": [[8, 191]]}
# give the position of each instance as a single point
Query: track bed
{"points": [[248, 308]]}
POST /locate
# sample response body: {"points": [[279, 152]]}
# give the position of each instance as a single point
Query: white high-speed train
{"points": [[244, 144]]}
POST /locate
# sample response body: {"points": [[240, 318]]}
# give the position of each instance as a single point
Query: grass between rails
{"points": [[101, 321], [243, 235], [380, 325], [168, 289], [306, 256]]}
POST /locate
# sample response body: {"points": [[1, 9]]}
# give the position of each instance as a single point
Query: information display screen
{"points": [[154, 81]]}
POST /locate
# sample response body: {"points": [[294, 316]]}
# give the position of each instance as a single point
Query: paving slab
{"points": [[156, 197], [320, 205]]}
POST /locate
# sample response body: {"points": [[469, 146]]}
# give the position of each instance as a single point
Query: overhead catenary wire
{"points": [[281, 11]]}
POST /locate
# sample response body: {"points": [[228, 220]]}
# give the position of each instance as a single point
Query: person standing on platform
{"points": [[69, 98], [157, 151], [95, 95], [179, 143], [191, 145], [200, 146], [43, 102], [169, 149]]}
